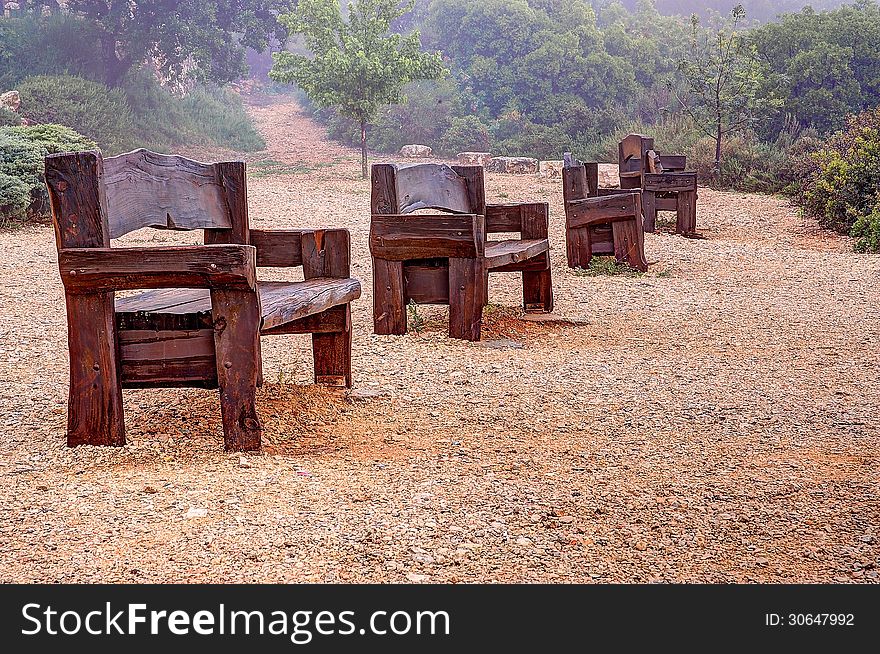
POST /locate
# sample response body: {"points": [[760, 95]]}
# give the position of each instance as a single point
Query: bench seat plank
{"points": [[501, 253], [282, 302]]}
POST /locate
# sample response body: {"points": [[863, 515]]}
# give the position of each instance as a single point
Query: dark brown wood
{"points": [[327, 322], [383, 197], [278, 249], [501, 218], [285, 302], [673, 163], [649, 211], [401, 237], [332, 355], [326, 253], [585, 212], [389, 308], [236, 316], [466, 280], [146, 189], [537, 285], [79, 212], [686, 223], [666, 182], [628, 237], [94, 407], [174, 358], [426, 284], [474, 179], [198, 266]]}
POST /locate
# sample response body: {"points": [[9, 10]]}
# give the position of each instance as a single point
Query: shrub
{"points": [[22, 149], [9, 117], [841, 188], [465, 134], [515, 135], [218, 116], [88, 107], [866, 231]]}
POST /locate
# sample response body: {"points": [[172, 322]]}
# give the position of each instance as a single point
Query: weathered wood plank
{"points": [[401, 237], [503, 218], [196, 266], [424, 284], [474, 179], [279, 248], [537, 285], [77, 199], [588, 211], [326, 253], [331, 321], [159, 358], [332, 355], [502, 253], [431, 186], [285, 302], [673, 163], [665, 182], [649, 210], [383, 196], [686, 222], [236, 316], [466, 280], [389, 307], [146, 189]]}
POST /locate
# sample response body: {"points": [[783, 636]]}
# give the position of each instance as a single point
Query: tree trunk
{"points": [[364, 170], [114, 67], [718, 135]]}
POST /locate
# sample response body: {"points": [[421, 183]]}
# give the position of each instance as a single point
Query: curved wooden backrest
{"points": [[404, 189], [632, 150], [146, 189]]}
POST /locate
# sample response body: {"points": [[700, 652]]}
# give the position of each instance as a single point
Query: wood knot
{"points": [[251, 424], [219, 325]]}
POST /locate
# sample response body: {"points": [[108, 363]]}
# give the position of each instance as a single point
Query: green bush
{"points": [[516, 136], [218, 116], [465, 134], [841, 188], [9, 117], [88, 107], [22, 150], [866, 231]]}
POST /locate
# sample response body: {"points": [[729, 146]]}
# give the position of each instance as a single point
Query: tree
{"points": [[200, 38], [357, 65], [721, 77]]}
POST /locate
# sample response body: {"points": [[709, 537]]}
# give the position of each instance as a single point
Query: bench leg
{"points": [[538, 289], [578, 247], [486, 287], [649, 210], [236, 316], [94, 407], [686, 218], [332, 354], [389, 308], [466, 295], [628, 246]]}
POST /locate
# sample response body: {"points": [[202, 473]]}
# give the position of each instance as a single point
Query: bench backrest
{"points": [[95, 199], [632, 153], [404, 189]]}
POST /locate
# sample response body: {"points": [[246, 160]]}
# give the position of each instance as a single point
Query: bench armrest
{"points": [[90, 270], [588, 211], [321, 252], [531, 219], [398, 237]]}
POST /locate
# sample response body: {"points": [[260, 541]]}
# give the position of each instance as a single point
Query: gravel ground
{"points": [[711, 421]]}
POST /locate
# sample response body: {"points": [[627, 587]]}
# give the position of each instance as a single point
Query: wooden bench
{"points": [[445, 258], [662, 179], [199, 321], [600, 221]]}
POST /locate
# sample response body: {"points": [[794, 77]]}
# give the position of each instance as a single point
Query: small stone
{"points": [[195, 512], [244, 463], [522, 540], [416, 578], [150, 490], [641, 546]]}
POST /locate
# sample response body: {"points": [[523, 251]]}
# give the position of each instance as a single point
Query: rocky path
{"points": [[711, 421]]}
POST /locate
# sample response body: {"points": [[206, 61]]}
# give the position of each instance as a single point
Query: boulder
{"points": [[514, 165], [474, 158], [10, 100], [608, 175], [551, 169], [415, 151]]}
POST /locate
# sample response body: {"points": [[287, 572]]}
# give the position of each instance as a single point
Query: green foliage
{"points": [[22, 150], [866, 231], [88, 107], [464, 134], [356, 66], [185, 39], [606, 266], [841, 187], [9, 118], [219, 116]]}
